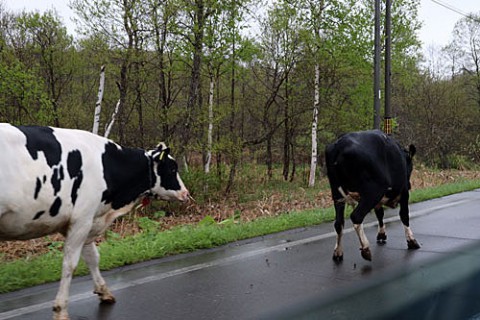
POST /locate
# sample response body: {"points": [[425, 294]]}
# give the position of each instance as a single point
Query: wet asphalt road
{"points": [[262, 277]]}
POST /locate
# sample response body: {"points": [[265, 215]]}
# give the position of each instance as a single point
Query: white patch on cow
{"points": [[381, 229], [161, 146], [171, 195], [102, 222], [409, 233], [361, 236], [338, 251]]}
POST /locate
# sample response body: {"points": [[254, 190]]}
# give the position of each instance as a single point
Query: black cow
{"points": [[369, 169], [76, 183]]}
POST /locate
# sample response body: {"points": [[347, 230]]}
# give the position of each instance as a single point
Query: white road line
{"points": [[219, 262]]}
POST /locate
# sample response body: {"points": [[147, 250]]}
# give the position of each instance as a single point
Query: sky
{"points": [[438, 21]]}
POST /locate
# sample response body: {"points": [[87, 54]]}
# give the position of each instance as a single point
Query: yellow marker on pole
{"points": [[387, 126]]}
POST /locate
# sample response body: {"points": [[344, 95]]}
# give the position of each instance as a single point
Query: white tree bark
{"points": [[98, 105], [210, 125], [313, 163], [112, 121]]}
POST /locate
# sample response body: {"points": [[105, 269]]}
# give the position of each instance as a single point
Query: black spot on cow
{"points": [[42, 139], [74, 168], [75, 187], [127, 172], [44, 178], [38, 186], [55, 208], [56, 179], [74, 163], [38, 215]]}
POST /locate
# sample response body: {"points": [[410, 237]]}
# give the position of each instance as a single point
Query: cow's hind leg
{"points": [[366, 204], [74, 241], [339, 225], [381, 235], [405, 218], [92, 258]]}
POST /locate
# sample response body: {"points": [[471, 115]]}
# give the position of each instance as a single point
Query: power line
{"points": [[454, 9]]}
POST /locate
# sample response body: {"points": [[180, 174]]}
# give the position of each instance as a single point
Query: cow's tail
{"points": [[347, 198], [338, 193]]}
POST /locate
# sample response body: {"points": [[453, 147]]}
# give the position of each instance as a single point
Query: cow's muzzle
{"points": [[184, 196]]}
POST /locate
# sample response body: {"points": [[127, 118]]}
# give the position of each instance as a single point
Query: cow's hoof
{"points": [[366, 254], [413, 244], [59, 313], [105, 296], [337, 258], [108, 300], [61, 317], [381, 238]]}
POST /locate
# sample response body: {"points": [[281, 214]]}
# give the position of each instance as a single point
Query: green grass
{"points": [[152, 244], [443, 190]]}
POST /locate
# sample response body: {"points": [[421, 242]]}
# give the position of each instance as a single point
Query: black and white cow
{"points": [[370, 170], [76, 183]]}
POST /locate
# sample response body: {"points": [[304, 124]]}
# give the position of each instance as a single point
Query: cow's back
{"points": [[366, 156], [47, 175]]}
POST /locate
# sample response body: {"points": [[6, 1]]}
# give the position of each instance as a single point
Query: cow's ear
{"points": [[164, 154], [411, 151], [161, 146], [161, 154]]}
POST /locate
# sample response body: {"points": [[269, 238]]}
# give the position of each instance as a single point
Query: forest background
{"points": [[229, 83]]}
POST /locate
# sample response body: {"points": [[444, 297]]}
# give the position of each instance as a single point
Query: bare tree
{"points": [[467, 41], [316, 9], [98, 105]]}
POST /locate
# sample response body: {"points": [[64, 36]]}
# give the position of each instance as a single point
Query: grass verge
{"points": [[152, 244]]}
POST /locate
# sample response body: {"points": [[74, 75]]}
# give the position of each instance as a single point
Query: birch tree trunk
{"points": [[98, 105], [112, 121], [287, 133], [210, 124], [316, 10], [313, 163]]}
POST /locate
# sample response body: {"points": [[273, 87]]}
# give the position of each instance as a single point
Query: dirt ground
{"points": [[191, 213]]}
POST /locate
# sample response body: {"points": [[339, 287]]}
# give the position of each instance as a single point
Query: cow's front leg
{"points": [[404, 216], [381, 235], [339, 225], [92, 259]]}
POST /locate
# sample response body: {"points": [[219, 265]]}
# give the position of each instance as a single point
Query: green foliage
{"points": [[263, 83], [148, 225], [208, 220], [55, 246], [460, 162], [22, 99], [159, 214], [443, 190]]}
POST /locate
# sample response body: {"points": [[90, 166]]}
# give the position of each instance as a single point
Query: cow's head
{"points": [[168, 184]]}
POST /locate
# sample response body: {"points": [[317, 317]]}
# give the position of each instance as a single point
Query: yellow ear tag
{"points": [[161, 155]]}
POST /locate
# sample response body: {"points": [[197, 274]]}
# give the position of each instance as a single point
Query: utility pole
{"points": [[376, 69], [387, 122]]}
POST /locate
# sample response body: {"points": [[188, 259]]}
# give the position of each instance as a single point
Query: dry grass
{"points": [[268, 204]]}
